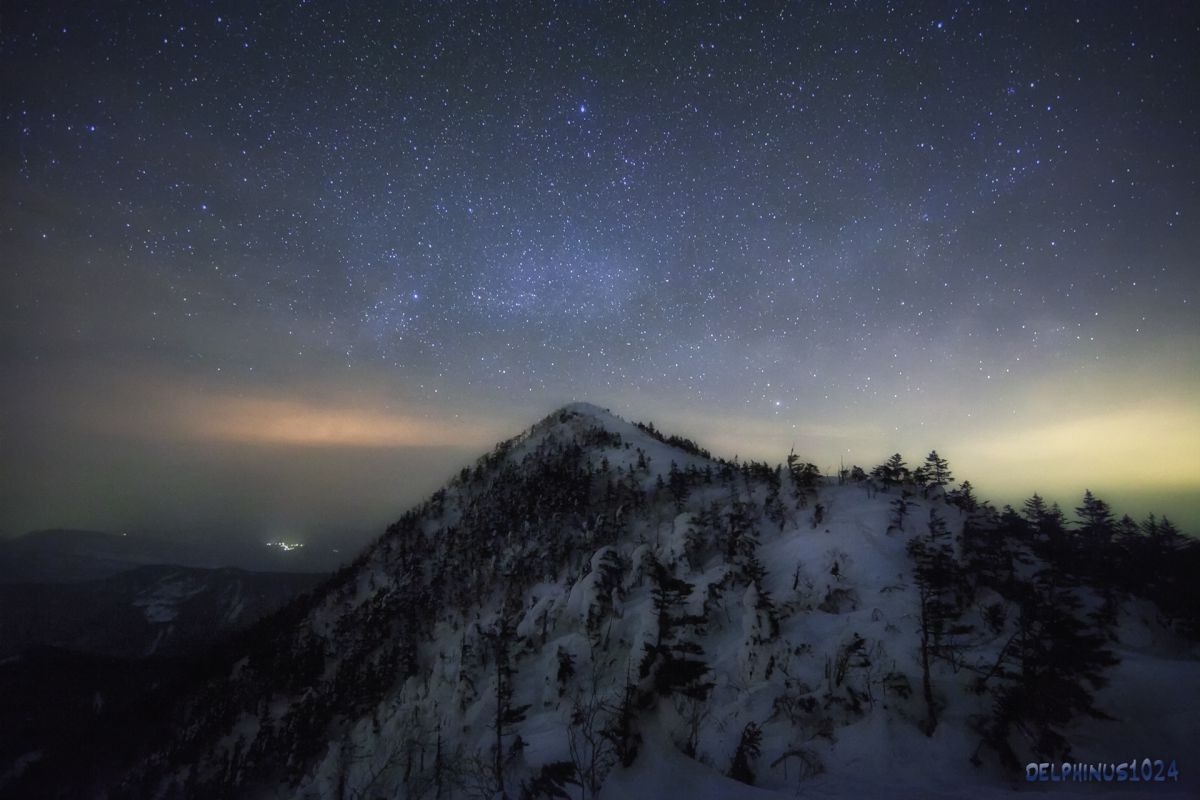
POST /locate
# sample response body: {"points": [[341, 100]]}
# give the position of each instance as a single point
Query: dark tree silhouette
{"points": [[500, 638], [674, 662], [938, 584], [748, 750], [805, 479], [937, 470], [891, 472]]}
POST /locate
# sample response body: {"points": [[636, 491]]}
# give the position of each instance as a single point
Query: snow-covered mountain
{"points": [[597, 610]]}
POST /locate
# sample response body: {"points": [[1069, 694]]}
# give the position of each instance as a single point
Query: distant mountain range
{"points": [[92, 622], [67, 556], [147, 610], [596, 609]]}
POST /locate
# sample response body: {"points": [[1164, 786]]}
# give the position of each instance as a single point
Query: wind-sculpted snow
{"points": [[591, 611]]}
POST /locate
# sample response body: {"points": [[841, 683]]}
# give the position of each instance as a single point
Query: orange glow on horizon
{"points": [[290, 422]]}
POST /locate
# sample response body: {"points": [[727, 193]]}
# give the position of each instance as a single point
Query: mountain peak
{"points": [[586, 410], [581, 421]]}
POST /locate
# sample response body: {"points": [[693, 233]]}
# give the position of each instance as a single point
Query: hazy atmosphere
{"points": [[286, 270]]}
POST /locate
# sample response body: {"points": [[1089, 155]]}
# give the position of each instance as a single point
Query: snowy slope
{"points": [[529, 584]]}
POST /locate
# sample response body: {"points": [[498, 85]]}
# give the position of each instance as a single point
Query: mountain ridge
{"points": [[65, 555], [588, 601]]}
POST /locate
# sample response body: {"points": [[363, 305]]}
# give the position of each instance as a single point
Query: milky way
{"points": [[849, 229]]}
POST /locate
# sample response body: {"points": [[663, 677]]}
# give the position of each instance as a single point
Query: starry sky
{"points": [[279, 267]]}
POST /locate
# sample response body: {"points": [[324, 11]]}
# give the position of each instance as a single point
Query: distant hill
{"points": [[148, 610], [68, 556]]}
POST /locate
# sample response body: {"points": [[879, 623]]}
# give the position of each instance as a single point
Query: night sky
{"points": [[284, 270]]}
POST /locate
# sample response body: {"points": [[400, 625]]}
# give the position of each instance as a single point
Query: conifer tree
{"points": [[1048, 674], [737, 526], [805, 478], [899, 509], [566, 668], [675, 661], [677, 484], [622, 730], [773, 505], [701, 535], [500, 638], [1095, 518], [891, 472], [920, 477], [937, 578], [748, 750], [937, 470], [964, 497]]}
